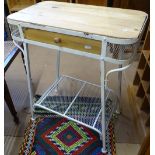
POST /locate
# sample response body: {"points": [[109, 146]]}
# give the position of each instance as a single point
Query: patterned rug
{"points": [[50, 134]]}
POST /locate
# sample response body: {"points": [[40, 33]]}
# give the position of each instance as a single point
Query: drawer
{"points": [[62, 40]]}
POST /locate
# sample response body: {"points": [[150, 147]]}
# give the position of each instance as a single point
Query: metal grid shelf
{"points": [[79, 101]]}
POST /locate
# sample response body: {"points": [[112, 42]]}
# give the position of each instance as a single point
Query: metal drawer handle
{"points": [[57, 40], [88, 47]]}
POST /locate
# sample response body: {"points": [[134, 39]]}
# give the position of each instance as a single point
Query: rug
{"points": [[54, 135]]}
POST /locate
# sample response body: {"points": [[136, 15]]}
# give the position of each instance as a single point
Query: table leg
{"points": [[9, 102], [27, 65], [58, 65], [120, 56], [102, 70], [102, 79], [57, 68], [118, 110]]}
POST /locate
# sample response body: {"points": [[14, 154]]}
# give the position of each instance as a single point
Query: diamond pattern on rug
{"points": [[53, 135], [62, 135], [68, 137]]}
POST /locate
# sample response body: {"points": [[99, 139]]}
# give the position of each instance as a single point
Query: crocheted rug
{"points": [[50, 134]]}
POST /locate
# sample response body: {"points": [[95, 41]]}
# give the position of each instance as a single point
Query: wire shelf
{"points": [[79, 101]]}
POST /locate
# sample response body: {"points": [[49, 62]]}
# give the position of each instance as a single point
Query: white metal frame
{"points": [[102, 58]]}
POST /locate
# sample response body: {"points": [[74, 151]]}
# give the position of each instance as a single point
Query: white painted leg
{"points": [[118, 110], [102, 69], [27, 64], [120, 55], [102, 78], [58, 67]]}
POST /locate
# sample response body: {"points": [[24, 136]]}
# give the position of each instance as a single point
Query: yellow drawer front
{"points": [[77, 43]]}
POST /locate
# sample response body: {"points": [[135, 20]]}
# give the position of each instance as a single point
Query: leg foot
{"points": [[32, 118], [103, 151]]}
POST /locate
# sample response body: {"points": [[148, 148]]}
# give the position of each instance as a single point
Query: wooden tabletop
{"points": [[104, 21]]}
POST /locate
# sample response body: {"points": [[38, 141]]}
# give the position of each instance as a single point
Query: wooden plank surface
{"points": [[113, 22]]}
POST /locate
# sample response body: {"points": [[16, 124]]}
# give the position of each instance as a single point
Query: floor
{"points": [[42, 60]]}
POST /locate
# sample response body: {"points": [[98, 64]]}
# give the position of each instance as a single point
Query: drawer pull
{"points": [[88, 47], [57, 40]]}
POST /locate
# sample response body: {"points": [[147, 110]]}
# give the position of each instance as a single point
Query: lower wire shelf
{"points": [[79, 101]]}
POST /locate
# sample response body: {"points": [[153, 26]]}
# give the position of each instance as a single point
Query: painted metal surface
{"points": [[18, 36]]}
